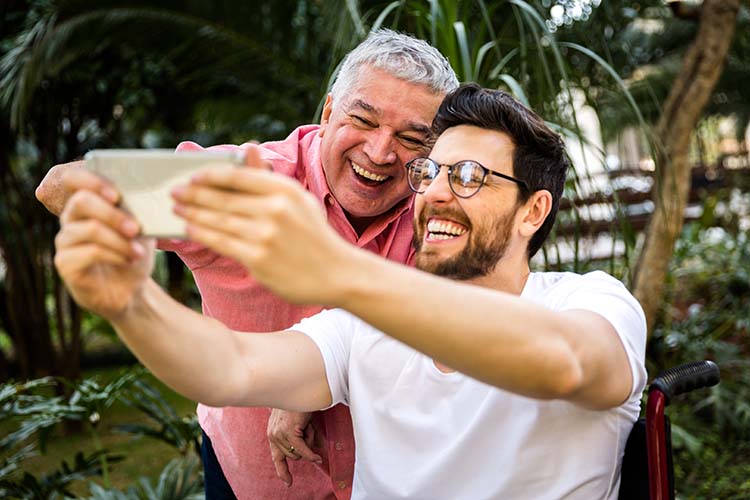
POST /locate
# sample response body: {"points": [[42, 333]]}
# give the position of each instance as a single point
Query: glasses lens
{"points": [[467, 177], [421, 172]]}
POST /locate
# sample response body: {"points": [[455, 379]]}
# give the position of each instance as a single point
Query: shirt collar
{"points": [[318, 186]]}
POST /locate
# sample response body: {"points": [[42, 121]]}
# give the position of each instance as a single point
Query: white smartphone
{"points": [[145, 177]]}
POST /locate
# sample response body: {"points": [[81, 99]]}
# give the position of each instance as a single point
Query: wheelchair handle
{"points": [[685, 378]]}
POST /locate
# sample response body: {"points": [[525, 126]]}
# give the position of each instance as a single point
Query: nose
{"points": [[439, 191], [380, 147]]}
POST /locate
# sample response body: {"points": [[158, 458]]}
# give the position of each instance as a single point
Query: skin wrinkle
{"points": [[365, 106]]}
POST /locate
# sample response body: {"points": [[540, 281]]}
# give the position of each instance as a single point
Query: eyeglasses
{"points": [[465, 177]]}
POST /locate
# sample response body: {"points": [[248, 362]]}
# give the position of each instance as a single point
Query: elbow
{"points": [[568, 379]]}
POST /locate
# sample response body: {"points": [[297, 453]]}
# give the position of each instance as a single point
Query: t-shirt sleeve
{"points": [[608, 297], [333, 331]]}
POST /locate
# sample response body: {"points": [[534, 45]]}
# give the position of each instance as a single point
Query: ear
{"points": [[326, 115], [534, 212]]}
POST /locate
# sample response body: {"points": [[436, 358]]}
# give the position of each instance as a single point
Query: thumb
{"points": [[253, 158]]}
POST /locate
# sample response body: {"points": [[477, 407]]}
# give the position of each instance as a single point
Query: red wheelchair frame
{"points": [[647, 470]]}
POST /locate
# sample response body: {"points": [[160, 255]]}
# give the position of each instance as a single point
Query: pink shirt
{"points": [[232, 296]]}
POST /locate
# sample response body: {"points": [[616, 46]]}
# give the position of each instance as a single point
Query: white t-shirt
{"points": [[424, 434]]}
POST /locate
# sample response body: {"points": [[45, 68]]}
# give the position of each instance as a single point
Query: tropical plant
{"points": [[178, 481], [182, 433], [674, 62], [36, 409], [128, 74], [37, 413], [709, 296], [55, 485]]}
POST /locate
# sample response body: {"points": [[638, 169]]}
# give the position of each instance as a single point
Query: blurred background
{"points": [[651, 97]]}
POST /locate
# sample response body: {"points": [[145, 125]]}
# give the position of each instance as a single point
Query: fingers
{"points": [[222, 242], [279, 462], [89, 205], [302, 450], [70, 261], [89, 219], [253, 159], [89, 232], [219, 199], [246, 180], [80, 179]]}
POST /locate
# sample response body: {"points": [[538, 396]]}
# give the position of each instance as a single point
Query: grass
{"points": [[143, 456]]}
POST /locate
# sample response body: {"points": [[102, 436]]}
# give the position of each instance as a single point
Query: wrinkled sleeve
{"points": [[333, 332], [609, 298]]}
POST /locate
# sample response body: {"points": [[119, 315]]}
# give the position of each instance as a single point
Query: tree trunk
{"points": [[690, 92]]}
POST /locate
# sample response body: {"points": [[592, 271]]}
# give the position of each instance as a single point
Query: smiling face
{"points": [[368, 137], [465, 238]]}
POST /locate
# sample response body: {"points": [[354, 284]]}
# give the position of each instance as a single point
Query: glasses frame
{"points": [[485, 172]]}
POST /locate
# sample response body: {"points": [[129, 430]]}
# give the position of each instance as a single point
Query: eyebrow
{"points": [[421, 128], [414, 126], [359, 103]]}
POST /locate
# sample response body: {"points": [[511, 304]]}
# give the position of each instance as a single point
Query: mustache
{"points": [[451, 213]]}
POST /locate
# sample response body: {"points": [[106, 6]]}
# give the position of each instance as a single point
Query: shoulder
{"points": [[596, 291], [298, 149], [332, 320], [551, 282], [289, 156]]}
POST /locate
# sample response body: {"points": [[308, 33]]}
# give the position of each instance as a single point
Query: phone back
{"points": [[145, 179]]}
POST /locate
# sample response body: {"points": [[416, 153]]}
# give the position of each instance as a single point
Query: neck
{"points": [[360, 224], [510, 275]]}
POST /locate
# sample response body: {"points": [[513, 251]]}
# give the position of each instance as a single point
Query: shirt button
{"points": [[342, 485], [329, 199], [339, 446]]}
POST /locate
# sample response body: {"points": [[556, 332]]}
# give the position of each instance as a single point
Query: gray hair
{"points": [[400, 55]]}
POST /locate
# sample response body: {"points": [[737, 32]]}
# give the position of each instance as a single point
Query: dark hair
{"points": [[539, 158]]}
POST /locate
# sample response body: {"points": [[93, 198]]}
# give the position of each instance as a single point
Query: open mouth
{"points": [[370, 178], [439, 229]]}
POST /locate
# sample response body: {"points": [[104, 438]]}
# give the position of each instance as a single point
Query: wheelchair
{"points": [[647, 470]]}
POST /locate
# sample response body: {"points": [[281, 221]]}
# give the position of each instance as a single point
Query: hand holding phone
{"points": [[145, 179]]}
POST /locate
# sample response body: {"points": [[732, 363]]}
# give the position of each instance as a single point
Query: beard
{"points": [[486, 246]]}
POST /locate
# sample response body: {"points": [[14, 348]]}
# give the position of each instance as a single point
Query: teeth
{"points": [[434, 236], [445, 229], [367, 174]]}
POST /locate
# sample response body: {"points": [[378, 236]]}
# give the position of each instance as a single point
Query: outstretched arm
{"points": [[206, 361], [107, 270], [280, 233]]}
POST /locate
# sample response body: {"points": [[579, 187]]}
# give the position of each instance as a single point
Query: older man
{"points": [[376, 118], [481, 386]]}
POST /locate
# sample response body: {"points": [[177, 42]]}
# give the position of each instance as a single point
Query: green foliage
{"points": [[178, 481], [645, 43], [56, 484], [709, 319], [30, 401], [179, 432], [34, 408]]}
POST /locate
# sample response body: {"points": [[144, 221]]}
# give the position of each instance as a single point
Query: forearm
{"points": [[493, 336], [195, 355]]}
